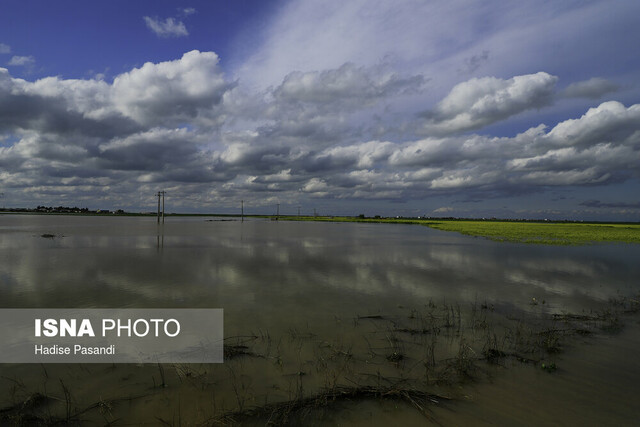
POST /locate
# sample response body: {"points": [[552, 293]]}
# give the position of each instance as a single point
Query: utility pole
{"points": [[278, 211], [160, 194], [242, 210], [298, 210]]}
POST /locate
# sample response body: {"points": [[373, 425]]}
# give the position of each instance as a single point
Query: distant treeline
{"points": [[64, 209]]}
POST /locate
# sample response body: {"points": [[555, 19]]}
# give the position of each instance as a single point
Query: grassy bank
{"points": [[548, 233]]}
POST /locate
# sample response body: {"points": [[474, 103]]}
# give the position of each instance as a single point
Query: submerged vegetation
{"points": [[548, 233], [417, 357]]}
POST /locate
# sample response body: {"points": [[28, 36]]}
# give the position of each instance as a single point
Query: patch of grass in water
{"points": [[544, 233]]}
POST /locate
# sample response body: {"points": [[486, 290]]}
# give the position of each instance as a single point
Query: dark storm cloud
{"points": [[148, 151], [599, 204], [52, 115], [59, 107]]}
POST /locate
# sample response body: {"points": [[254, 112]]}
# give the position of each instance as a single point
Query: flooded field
{"points": [[332, 323]]}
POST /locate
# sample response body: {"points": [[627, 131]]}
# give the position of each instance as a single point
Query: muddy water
{"points": [[597, 384], [311, 306]]}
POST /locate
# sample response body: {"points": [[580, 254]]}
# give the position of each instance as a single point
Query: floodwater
{"points": [[311, 306]]}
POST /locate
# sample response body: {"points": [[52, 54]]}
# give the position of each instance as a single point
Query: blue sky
{"points": [[463, 108], [78, 39]]}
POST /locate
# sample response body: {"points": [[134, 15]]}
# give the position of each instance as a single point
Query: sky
{"points": [[527, 109]]}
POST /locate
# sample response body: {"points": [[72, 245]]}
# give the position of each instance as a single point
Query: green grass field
{"points": [[547, 233]]}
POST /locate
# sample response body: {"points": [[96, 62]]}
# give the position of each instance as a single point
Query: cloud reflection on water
{"points": [[285, 269]]}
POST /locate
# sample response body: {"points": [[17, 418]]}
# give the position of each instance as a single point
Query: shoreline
{"points": [[528, 232], [543, 232]]}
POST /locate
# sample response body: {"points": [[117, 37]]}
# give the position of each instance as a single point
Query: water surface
{"points": [[272, 277]]}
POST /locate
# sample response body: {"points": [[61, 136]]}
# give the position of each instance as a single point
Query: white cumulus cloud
{"points": [[482, 101], [185, 89], [610, 121]]}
